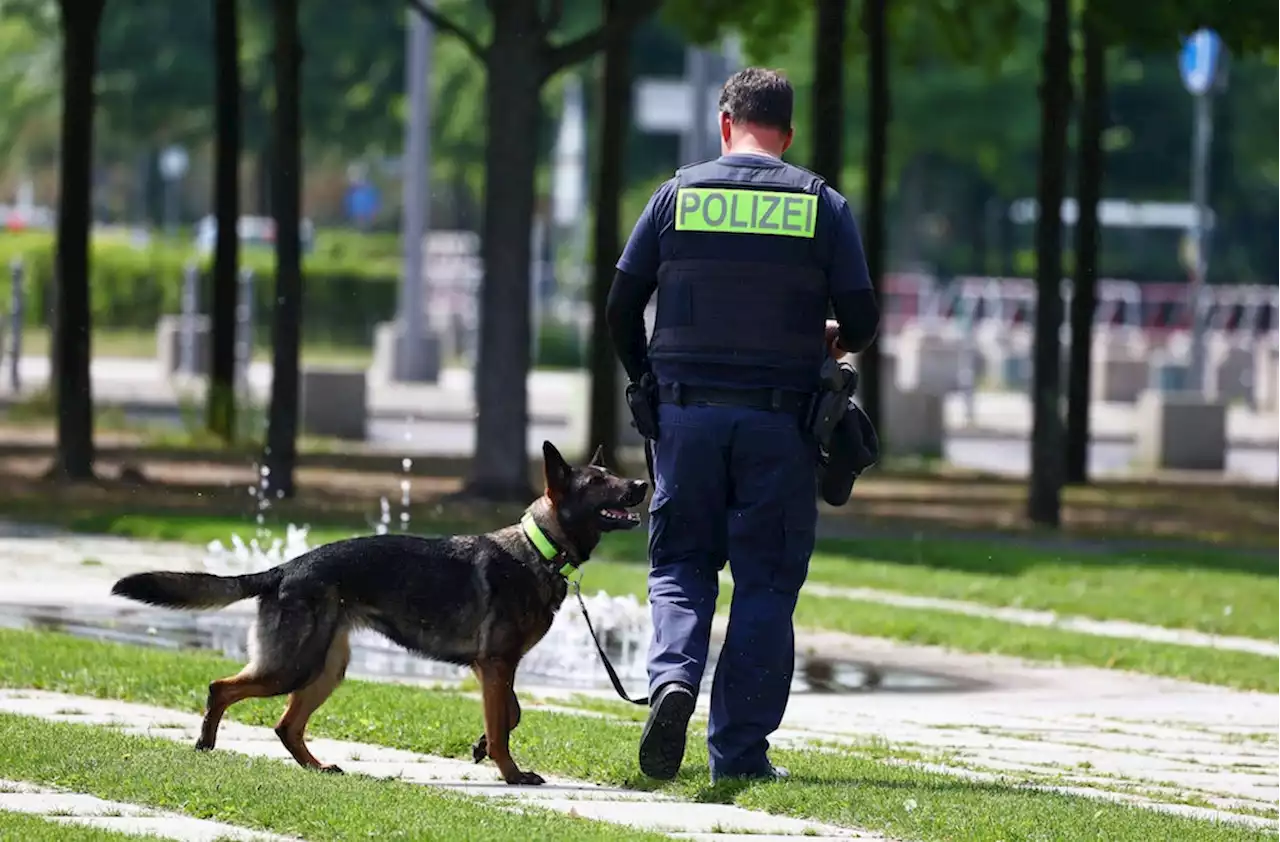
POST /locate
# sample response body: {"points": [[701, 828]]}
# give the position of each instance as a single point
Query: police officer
{"points": [[747, 254]]}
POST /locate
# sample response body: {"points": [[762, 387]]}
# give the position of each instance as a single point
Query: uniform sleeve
{"points": [[847, 271], [640, 256]]}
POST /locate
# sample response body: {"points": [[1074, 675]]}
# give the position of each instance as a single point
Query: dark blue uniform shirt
{"points": [[837, 242]]}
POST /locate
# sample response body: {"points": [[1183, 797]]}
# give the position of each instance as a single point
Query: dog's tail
{"points": [[194, 590]]}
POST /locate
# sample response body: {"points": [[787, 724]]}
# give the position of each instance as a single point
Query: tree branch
{"points": [[445, 24], [617, 26]]}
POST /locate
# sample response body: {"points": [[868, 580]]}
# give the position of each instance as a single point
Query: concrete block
{"points": [[911, 423], [929, 361], [1118, 371], [169, 343], [333, 402], [1266, 374], [389, 359], [1181, 431], [1228, 374]]}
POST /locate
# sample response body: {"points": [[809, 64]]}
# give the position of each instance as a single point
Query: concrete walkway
{"points": [[688, 820], [58, 805]]}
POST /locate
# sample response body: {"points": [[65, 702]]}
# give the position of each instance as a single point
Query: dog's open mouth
{"points": [[618, 518]]}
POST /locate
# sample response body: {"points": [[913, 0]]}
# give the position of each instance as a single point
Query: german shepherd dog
{"points": [[476, 600]]}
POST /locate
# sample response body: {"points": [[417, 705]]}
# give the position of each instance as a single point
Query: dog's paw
{"points": [[527, 779], [330, 769], [201, 745], [480, 748]]}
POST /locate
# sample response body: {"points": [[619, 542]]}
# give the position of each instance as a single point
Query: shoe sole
{"points": [[663, 740]]}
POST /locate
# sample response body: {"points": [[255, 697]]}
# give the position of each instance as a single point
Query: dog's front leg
{"points": [[497, 680], [480, 748]]}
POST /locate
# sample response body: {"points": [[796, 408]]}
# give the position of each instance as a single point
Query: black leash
{"points": [[608, 667]]}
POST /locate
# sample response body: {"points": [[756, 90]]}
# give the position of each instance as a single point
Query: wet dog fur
{"points": [[481, 601]]}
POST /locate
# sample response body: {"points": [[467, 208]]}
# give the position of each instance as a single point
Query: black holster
{"points": [[847, 442], [642, 400]]}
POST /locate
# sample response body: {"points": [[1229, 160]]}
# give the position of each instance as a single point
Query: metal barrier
{"points": [[17, 309]]}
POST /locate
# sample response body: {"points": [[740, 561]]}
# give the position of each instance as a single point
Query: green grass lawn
{"points": [[850, 788], [23, 827], [1242, 670], [267, 794]]}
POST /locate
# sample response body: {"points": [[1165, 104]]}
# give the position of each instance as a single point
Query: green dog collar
{"points": [[543, 543]]}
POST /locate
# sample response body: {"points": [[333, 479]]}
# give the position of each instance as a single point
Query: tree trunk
{"points": [[614, 123], [1047, 458], [500, 463], [221, 408], [1093, 114], [828, 89], [282, 425], [72, 385], [875, 26]]}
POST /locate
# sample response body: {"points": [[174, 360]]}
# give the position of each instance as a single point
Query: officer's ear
{"points": [[555, 471], [786, 141]]}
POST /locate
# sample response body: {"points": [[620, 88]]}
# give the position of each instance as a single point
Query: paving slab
{"points": [[79, 809], [713, 821]]}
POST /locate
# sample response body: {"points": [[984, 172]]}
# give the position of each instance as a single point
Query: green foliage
{"points": [[132, 288], [29, 78]]}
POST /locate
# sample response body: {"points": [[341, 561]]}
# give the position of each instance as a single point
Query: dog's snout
{"points": [[636, 492]]}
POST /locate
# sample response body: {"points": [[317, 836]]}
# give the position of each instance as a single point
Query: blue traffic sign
{"points": [[1198, 60]]}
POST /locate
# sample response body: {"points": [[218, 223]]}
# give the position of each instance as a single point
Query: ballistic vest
{"points": [[740, 282]]}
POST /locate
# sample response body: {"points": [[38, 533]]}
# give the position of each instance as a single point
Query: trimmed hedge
{"points": [[344, 298], [131, 287]]}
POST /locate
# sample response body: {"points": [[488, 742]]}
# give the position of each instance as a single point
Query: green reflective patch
{"points": [[746, 211]]}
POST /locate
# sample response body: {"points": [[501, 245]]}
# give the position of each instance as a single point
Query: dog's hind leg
{"points": [[497, 679], [304, 702], [287, 649]]}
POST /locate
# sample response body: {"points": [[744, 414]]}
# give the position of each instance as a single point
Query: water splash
{"points": [[405, 465], [566, 656], [384, 521], [262, 501]]}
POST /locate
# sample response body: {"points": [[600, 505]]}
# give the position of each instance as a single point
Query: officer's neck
{"points": [[747, 148]]}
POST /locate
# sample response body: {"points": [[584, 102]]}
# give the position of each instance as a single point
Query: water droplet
{"points": [[406, 464]]}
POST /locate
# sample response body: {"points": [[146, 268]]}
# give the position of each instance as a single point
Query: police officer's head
{"points": [[755, 112]]}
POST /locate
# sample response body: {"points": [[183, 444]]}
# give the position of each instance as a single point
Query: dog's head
{"points": [[590, 500]]}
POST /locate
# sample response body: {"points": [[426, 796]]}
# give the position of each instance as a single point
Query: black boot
{"points": [[662, 743]]}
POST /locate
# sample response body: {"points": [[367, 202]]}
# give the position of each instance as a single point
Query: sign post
{"points": [[1199, 63], [173, 166]]}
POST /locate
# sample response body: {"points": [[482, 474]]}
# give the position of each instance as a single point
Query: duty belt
{"points": [[774, 400]]}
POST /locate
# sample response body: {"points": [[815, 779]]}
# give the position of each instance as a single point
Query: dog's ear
{"points": [[555, 471], [597, 458]]}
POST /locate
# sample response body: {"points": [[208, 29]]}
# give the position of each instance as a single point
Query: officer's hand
{"points": [[834, 347]]}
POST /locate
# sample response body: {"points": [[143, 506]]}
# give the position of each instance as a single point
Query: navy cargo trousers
{"points": [[737, 485]]}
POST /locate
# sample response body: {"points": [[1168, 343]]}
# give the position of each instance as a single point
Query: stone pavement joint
{"points": [[620, 806], [88, 810]]}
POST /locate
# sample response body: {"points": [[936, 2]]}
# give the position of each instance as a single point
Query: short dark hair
{"points": [[760, 96]]}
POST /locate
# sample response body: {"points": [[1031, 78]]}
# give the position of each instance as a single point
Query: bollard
{"points": [[190, 306], [244, 328], [18, 297]]}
